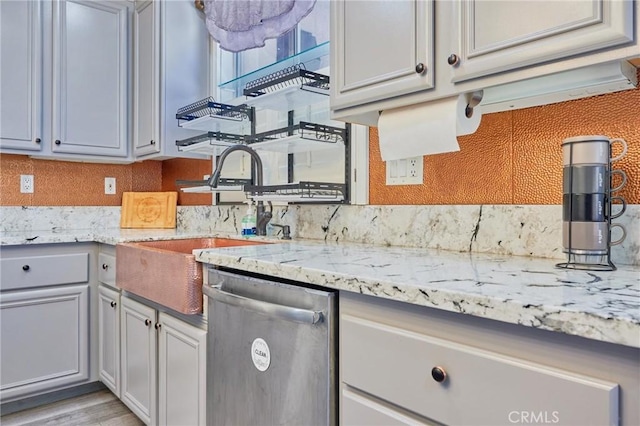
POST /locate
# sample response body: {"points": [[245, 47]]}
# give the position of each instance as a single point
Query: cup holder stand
{"points": [[586, 259]]}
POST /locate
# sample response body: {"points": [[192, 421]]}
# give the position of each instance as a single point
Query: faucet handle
{"points": [[286, 230]]}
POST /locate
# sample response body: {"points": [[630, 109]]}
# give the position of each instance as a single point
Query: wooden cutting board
{"points": [[148, 210]]}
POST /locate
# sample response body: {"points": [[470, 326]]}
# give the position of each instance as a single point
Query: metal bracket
{"points": [[473, 99]]}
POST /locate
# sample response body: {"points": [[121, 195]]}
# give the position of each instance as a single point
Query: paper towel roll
{"points": [[427, 128]]}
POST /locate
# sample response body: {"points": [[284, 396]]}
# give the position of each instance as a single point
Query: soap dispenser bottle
{"points": [[249, 221]]}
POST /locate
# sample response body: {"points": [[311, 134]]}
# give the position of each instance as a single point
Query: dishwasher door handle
{"points": [[280, 311]]}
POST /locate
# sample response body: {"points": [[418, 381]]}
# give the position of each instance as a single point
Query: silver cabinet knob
{"points": [[453, 59], [420, 68], [438, 374], [147, 322]]}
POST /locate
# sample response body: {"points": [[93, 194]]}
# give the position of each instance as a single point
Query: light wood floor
{"points": [[97, 408]]}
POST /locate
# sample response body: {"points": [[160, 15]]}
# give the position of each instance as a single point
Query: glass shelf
{"points": [[233, 88]]}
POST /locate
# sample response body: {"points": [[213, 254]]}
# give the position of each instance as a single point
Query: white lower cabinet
{"points": [[157, 349], [46, 324], [400, 366], [182, 353], [138, 357], [45, 339], [109, 338]]}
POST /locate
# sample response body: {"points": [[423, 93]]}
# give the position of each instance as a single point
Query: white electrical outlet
{"points": [[109, 185], [407, 171], [26, 184]]}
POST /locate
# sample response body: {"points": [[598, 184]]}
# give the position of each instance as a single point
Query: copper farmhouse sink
{"points": [[167, 272]]}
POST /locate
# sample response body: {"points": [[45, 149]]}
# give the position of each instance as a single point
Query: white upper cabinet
{"points": [[146, 76], [65, 79], [498, 36], [20, 75], [466, 45], [171, 70], [90, 114], [370, 63]]}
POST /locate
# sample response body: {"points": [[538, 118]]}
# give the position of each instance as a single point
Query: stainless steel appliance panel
{"points": [[270, 354]]}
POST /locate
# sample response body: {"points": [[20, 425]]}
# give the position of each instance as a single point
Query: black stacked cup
{"points": [[588, 187]]}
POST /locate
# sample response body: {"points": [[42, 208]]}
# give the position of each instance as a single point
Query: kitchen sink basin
{"points": [[167, 272]]}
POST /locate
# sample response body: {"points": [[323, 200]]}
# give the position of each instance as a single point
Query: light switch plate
{"points": [[110, 185], [407, 171]]}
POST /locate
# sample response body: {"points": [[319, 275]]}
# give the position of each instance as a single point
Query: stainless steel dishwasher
{"points": [[271, 352]]}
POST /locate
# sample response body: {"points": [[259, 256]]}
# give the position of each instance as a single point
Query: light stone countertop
{"points": [[529, 291], [106, 236]]}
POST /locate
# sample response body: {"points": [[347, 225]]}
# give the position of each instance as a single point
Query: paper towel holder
{"points": [[473, 99]]}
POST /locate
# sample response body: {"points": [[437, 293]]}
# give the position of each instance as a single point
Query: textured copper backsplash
{"points": [[186, 169], [515, 157], [62, 183]]}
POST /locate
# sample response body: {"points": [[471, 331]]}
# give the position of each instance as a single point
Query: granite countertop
{"points": [[520, 290], [106, 236]]}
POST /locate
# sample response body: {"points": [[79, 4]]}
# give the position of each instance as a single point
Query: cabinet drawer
{"points": [[107, 269], [40, 271], [358, 409], [480, 387]]}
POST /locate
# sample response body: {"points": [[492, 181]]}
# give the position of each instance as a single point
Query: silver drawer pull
{"points": [[284, 312]]}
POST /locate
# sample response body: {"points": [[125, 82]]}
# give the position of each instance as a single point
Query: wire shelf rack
{"points": [[202, 186], [297, 192], [206, 114], [210, 143], [288, 89], [301, 137]]}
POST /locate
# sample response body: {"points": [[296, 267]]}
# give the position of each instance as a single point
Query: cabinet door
{"points": [[109, 338], [369, 63], [498, 36], [185, 69], [181, 372], [138, 358], [21, 75], [44, 340], [146, 75], [90, 42], [171, 70]]}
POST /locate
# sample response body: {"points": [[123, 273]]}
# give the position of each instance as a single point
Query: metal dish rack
{"points": [[300, 137], [210, 143], [202, 186], [288, 89], [298, 192], [206, 114]]}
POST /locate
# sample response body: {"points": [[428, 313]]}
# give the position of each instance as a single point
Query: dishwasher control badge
{"points": [[260, 354]]}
